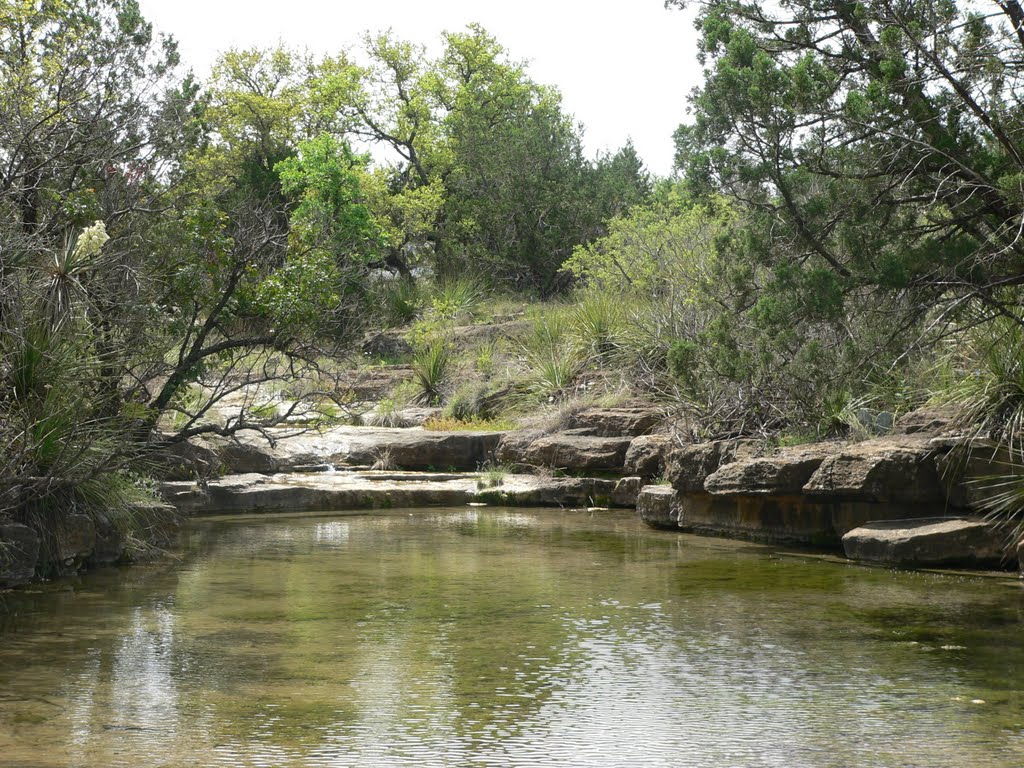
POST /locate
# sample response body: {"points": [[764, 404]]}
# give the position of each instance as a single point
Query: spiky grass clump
{"points": [[457, 298], [403, 300], [599, 323], [387, 414], [431, 370]]}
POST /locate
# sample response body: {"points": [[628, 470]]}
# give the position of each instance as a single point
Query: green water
{"points": [[507, 638]]}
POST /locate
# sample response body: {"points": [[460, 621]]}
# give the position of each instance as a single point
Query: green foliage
{"points": [[985, 380], [323, 181]]}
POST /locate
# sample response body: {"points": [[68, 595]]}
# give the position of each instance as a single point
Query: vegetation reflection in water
{"points": [[477, 638]]}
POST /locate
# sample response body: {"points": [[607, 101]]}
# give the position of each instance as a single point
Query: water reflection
{"points": [[491, 638]]}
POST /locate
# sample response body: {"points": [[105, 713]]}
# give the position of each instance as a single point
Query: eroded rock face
{"points": [[645, 456], [658, 506], [886, 470], [688, 466], [783, 474], [930, 542], [19, 553]]}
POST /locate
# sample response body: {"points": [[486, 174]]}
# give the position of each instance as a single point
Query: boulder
{"points": [[19, 553], [390, 344], [899, 470], [629, 421], [927, 542], [185, 460], [658, 506], [688, 466], [238, 457], [645, 456], [626, 491], [930, 420], [783, 474]]}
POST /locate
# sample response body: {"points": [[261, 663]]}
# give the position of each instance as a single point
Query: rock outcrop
{"points": [[784, 473], [895, 470], [645, 456], [626, 421]]}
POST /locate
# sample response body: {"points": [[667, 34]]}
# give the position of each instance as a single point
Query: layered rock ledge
{"points": [[367, 490], [816, 495]]}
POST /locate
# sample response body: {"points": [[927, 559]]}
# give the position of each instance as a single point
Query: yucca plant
{"points": [[431, 367], [553, 374], [984, 381], [457, 298], [599, 324]]}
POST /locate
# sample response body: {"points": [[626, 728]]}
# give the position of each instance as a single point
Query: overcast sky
{"points": [[624, 67]]}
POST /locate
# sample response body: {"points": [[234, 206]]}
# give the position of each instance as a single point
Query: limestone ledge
{"points": [[367, 490]]}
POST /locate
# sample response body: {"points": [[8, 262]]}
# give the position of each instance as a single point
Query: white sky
{"points": [[624, 67]]}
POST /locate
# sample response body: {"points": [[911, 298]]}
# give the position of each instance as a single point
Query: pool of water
{"points": [[506, 638]]}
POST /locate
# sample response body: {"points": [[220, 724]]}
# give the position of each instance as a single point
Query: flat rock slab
{"points": [[412, 449], [340, 491], [926, 543], [784, 473]]}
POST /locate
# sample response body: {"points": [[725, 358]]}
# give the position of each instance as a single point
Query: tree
{"points": [[489, 172], [877, 144], [135, 242]]}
